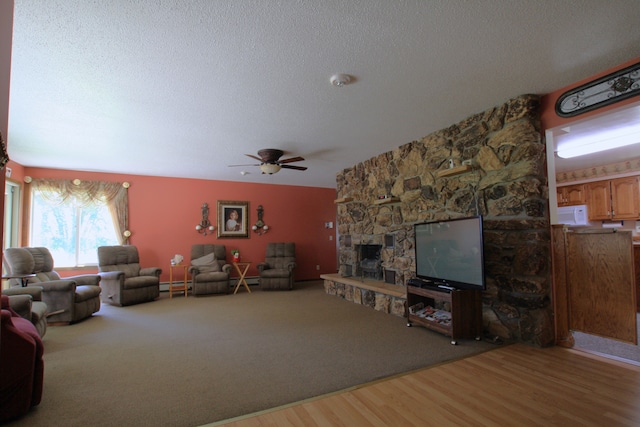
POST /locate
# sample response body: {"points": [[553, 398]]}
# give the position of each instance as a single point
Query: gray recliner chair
{"points": [[209, 270], [276, 272], [68, 300], [27, 303], [123, 281]]}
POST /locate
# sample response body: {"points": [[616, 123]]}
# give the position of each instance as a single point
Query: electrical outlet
{"points": [[317, 267]]}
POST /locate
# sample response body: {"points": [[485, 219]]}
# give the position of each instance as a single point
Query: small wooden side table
{"points": [[23, 278], [242, 268], [181, 287]]}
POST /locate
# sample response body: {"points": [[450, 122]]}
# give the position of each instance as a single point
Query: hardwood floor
{"points": [[515, 385]]}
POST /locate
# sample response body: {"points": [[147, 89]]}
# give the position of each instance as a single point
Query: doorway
{"points": [[585, 169]]}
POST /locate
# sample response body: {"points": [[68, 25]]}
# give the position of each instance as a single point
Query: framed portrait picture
{"points": [[233, 219]]}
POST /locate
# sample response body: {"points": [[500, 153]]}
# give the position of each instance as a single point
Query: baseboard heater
{"points": [[252, 281]]}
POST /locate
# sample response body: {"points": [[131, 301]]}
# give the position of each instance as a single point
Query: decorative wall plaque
{"points": [[606, 90]]}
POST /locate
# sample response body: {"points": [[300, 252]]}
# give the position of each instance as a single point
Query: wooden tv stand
{"points": [[456, 313]]}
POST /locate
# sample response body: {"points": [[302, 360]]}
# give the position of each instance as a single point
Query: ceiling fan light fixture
{"points": [[270, 168]]}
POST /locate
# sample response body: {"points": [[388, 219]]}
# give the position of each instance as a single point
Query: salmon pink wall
{"points": [[163, 213], [551, 120]]}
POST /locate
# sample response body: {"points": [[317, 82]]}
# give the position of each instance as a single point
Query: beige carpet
{"points": [[188, 362]]}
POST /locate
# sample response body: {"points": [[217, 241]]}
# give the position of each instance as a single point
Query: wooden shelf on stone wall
{"points": [[343, 200], [386, 201], [453, 171]]}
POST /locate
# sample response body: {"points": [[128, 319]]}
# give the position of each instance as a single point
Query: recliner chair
{"points": [[27, 302], [124, 282], [21, 364], [68, 300], [209, 270], [276, 272]]}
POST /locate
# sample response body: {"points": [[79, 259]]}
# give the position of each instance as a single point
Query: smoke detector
{"points": [[340, 79]]}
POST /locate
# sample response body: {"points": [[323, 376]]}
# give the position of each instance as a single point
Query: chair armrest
{"points": [[226, 268], [262, 266], [86, 279], [193, 270], [21, 304], [151, 271], [34, 291], [111, 275], [291, 266], [62, 285]]}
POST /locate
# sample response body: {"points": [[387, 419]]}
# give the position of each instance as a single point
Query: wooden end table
{"points": [[242, 268], [181, 287], [24, 278]]}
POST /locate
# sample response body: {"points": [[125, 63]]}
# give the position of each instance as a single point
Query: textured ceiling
{"points": [[186, 88]]}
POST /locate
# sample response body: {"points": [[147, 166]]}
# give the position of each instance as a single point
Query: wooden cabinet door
{"points": [[575, 195], [571, 195], [601, 284], [561, 195], [625, 196], [599, 200]]}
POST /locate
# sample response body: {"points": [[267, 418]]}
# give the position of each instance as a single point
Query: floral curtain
{"points": [[86, 193]]}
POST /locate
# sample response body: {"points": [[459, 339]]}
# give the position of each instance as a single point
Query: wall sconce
{"points": [[205, 226], [260, 227]]}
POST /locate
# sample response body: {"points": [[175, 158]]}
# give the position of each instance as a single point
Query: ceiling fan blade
{"points": [[231, 166], [254, 157], [292, 159], [298, 168]]}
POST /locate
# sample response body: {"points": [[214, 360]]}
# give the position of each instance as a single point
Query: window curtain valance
{"points": [[87, 193]]}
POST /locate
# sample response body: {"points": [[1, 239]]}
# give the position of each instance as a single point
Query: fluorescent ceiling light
{"points": [[579, 145]]}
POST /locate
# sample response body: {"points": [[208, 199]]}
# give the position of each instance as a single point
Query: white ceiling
{"points": [[184, 88]]}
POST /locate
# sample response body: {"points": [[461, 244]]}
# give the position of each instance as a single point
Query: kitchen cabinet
{"points": [[614, 199], [572, 195]]}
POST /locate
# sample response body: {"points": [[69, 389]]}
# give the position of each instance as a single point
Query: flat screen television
{"points": [[451, 253]]}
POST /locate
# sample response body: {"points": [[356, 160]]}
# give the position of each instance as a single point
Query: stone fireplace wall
{"points": [[506, 183]]}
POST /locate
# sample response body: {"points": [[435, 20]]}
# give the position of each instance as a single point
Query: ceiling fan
{"points": [[270, 162]]}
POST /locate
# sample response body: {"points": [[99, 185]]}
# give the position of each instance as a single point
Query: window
{"points": [[72, 219], [72, 233]]}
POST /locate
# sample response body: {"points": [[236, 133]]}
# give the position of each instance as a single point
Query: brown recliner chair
{"points": [[276, 272], [124, 282], [209, 270], [68, 300], [27, 303]]}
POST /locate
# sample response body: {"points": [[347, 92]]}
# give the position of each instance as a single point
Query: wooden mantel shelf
{"points": [[386, 201], [453, 171], [343, 200]]}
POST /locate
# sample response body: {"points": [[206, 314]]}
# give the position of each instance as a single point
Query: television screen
{"points": [[451, 253]]}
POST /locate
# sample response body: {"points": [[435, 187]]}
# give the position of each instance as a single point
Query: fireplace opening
{"points": [[370, 264]]}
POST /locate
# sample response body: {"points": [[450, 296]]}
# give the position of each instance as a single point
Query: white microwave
{"points": [[573, 215]]}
